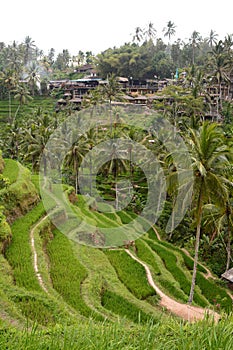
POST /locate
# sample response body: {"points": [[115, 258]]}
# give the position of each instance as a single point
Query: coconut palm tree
{"points": [[212, 39], [221, 219], [150, 31], [169, 30], [111, 91], [29, 46], [36, 134], [22, 95], [194, 40], [209, 157], [220, 66], [75, 156], [33, 77], [138, 35]]}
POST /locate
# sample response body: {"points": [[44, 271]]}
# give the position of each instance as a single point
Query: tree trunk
{"points": [[9, 101], [197, 243], [228, 244]]}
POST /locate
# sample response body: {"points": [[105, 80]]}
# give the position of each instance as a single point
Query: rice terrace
{"points": [[116, 194]]}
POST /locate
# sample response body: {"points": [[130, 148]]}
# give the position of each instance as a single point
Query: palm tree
{"points": [[138, 35], [150, 31], [169, 30], [220, 65], [33, 77], [110, 91], [22, 95], [221, 218], [36, 134], [212, 39], [228, 42], [29, 45], [9, 79], [75, 156], [209, 156], [195, 40]]}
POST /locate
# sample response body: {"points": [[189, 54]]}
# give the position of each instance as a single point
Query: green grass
{"points": [[170, 335], [19, 253], [47, 103], [213, 293], [131, 273], [124, 308], [145, 254], [171, 263], [36, 307], [67, 273], [11, 170]]}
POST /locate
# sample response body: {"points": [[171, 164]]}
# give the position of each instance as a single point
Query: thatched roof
{"points": [[228, 275]]}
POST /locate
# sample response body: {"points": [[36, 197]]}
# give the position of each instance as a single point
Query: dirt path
{"points": [[185, 311], [35, 257]]}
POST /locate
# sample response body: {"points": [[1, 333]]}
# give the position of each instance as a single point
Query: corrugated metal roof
{"points": [[228, 275]]}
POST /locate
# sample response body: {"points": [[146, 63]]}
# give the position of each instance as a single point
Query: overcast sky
{"points": [[99, 24]]}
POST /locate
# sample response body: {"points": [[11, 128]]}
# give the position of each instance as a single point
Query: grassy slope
{"points": [[106, 288], [46, 103]]}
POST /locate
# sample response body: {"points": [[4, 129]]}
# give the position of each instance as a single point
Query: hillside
{"points": [[58, 294]]}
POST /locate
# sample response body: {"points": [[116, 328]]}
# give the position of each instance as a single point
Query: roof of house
{"points": [[228, 275]]}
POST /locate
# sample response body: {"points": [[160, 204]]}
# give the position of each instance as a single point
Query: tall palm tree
{"points": [[194, 40], [29, 45], [169, 30], [212, 39], [75, 156], [36, 134], [9, 79], [220, 66], [138, 35], [111, 91], [221, 218], [33, 77], [150, 31], [22, 95], [228, 42], [209, 156]]}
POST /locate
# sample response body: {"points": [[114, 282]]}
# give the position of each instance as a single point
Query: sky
{"points": [[96, 25]]}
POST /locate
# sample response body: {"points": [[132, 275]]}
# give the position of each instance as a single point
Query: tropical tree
{"points": [[194, 40], [111, 91], [29, 46], [22, 95], [75, 156], [221, 218], [212, 39], [169, 30], [33, 77], [9, 80], [138, 35], [209, 157], [150, 31], [35, 135], [220, 66]]}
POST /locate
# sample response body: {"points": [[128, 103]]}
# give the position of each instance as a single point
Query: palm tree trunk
{"points": [[9, 97], [197, 243], [228, 244]]}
